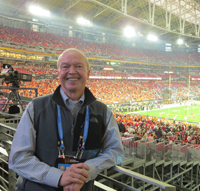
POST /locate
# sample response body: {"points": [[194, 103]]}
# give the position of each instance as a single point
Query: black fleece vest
{"points": [[45, 122]]}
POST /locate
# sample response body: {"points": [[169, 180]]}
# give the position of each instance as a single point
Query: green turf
{"points": [[176, 112]]}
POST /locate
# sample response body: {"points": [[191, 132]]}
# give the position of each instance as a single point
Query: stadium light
{"points": [[152, 37], [83, 21], [129, 32], [180, 41], [39, 11]]}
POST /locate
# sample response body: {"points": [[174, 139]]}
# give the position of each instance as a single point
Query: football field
{"points": [[183, 113]]}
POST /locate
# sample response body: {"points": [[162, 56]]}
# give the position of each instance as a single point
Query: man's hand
{"points": [[74, 177]]}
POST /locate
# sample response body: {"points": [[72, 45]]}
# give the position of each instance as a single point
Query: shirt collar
{"points": [[65, 97]]}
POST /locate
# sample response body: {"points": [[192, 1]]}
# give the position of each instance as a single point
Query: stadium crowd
{"points": [[109, 91], [54, 43], [152, 128], [114, 91]]}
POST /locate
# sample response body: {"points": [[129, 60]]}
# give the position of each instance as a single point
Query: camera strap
{"points": [[60, 131]]}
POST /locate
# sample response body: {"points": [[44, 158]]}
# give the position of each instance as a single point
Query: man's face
{"points": [[73, 73]]}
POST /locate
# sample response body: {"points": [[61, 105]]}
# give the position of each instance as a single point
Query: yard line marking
{"points": [[175, 117]]}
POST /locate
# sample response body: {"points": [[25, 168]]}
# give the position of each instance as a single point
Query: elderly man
{"points": [[68, 130]]}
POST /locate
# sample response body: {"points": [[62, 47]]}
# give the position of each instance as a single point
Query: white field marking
{"points": [[163, 113], [156, 109], [175, 116]]}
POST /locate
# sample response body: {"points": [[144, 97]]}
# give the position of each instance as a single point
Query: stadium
{"points": [[144, 58]]}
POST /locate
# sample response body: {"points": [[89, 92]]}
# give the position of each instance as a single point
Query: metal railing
{"points": [[137, 153]]}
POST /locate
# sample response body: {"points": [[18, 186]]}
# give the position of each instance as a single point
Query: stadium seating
{"points": [[54, 43]]}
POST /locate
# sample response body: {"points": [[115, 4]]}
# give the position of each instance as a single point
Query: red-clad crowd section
{"points": [[146, 128]]}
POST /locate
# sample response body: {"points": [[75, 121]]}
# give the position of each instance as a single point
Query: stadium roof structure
{"points": [[168, 19]]}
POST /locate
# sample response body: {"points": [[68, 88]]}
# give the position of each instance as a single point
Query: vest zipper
{"points": [[74, 125], [72, 130]]}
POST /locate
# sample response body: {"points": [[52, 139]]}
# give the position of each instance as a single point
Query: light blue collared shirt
{"points": [[73, 106]]}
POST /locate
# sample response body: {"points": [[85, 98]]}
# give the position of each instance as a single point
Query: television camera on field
{"points": [[9, 76]]}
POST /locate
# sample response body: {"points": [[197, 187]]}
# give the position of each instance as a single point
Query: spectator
{"points": [[40, 145]]}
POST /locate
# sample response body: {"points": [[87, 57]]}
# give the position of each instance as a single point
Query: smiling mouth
{"points": [[72, 79]]}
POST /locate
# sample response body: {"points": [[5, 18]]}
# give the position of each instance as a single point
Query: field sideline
{"points": [[190, 113]]}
